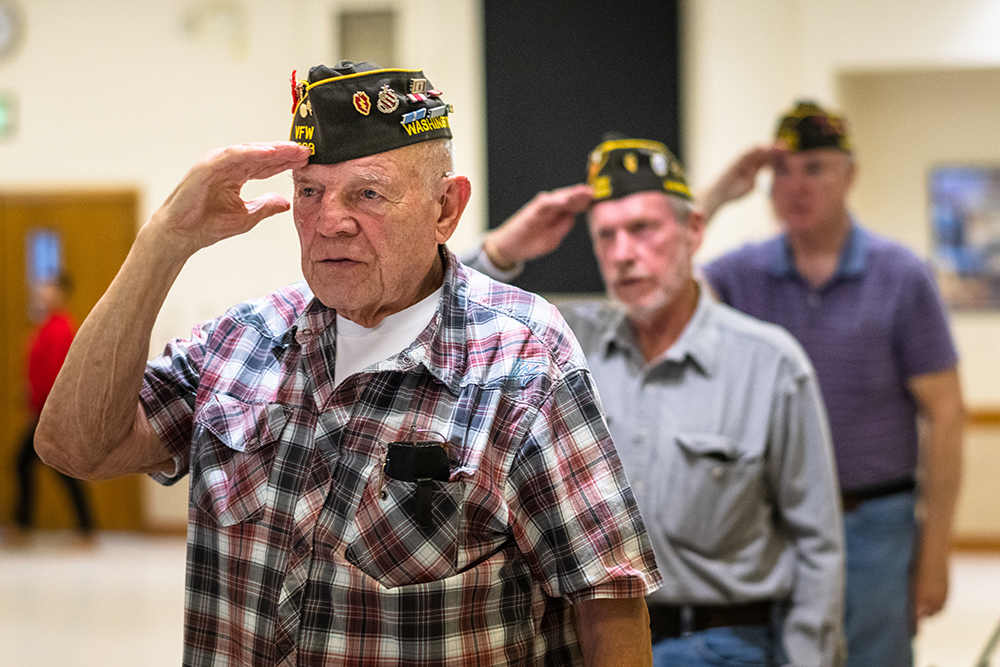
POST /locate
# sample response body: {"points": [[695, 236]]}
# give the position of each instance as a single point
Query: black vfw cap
{"points": [[619, 167], [808, 126], [356, 109]]}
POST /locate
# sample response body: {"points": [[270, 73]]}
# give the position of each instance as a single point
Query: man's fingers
{"points": [[256, 160], [569, 200], [280, 156], [265, 206], [578, 197]]}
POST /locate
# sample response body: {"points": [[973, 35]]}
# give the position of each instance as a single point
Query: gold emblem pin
{"points": [[631, 162], [362, 103]]}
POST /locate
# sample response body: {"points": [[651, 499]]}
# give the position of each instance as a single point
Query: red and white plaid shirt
{"points": [[301, 552]]}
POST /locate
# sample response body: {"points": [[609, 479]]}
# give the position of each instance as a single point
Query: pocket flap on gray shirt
{"points": [[711, 445]]}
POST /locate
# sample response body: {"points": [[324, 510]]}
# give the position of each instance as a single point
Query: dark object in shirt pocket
{"points": [[394, 545], [422, 463], [411, 462]]}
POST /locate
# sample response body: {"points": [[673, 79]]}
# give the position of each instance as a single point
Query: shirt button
{"points": [[813, 299], [718, 472]]}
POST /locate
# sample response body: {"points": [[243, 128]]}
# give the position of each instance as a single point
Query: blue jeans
{"points": [[880, 535], [755, 645]]}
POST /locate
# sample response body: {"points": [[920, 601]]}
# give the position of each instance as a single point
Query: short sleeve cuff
{"points": [[634, 586], [167, 478]]}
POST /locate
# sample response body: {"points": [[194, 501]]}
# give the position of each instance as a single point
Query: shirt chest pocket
{"points": [[711, 495], [399, 544], [235, 444]]}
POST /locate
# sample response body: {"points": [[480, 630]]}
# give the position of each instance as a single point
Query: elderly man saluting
{"points": [[717, 417], [397, 462]]}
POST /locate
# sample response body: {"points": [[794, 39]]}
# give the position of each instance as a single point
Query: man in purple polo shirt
{"points": [[868, 313]]}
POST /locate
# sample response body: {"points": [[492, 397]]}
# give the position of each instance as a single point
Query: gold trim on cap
{"points": [[357, 74], [599, 156]]}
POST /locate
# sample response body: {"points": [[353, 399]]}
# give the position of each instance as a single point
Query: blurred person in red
{"points": [[46, 352]]}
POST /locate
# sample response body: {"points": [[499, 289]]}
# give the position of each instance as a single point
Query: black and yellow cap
{"points": [[356, 109], [809, 126], [619, 167]]}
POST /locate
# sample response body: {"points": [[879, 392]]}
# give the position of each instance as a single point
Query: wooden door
{"points": [[93, 232]]}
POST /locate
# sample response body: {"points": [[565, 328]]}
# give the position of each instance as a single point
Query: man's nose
{"points": [[335, 218], [798, 180]]}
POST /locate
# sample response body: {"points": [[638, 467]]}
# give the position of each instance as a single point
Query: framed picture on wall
{"points": [[965, 220]]}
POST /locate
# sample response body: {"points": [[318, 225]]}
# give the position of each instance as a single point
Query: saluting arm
{"points": [[92, 425]]}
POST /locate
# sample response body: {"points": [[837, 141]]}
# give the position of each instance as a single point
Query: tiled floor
{"points": [[119, 602], [957, 636]]}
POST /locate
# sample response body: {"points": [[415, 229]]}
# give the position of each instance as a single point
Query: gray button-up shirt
{"points": [[726, 444]]}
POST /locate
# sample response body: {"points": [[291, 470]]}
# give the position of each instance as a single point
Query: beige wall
{"points": [[977, 521]]}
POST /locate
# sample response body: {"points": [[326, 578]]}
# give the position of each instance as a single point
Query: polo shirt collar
{"points": [[851, 264]]}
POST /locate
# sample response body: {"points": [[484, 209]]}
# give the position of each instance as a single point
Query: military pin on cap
{"points": [[388, 101], [362, 103]]}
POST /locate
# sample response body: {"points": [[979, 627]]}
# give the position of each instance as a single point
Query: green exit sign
{"points": [[6, 115]]}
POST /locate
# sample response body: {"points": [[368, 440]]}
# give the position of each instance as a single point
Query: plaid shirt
{"points": [[301, 552]]}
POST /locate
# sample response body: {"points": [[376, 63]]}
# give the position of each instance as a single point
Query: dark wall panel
{"points": [[559, 75]]}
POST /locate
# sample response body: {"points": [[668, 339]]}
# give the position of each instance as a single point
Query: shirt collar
{"points": [[850, 265], [435, 347], [698, 341]]}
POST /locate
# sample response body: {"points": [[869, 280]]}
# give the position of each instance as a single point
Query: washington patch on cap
{"points": [[621, 167], [356, 109], [809, 126]]}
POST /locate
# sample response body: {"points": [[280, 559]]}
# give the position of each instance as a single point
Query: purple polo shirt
{"points": [[876, 323]]}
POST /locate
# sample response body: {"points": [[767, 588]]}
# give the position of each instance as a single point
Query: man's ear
{"points": [[696, 225], [454, 199]]}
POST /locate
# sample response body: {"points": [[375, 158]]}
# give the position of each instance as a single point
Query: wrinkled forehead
{"points": [[831, 156], [391, 165], [649, 206]]}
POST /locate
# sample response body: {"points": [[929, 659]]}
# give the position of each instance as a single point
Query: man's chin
{"points": [[801, 223], [335, 299], [636, 309]]}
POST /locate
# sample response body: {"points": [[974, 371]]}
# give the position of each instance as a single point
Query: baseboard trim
{"points": [[976, 544], [166, 530], [983, 417]]}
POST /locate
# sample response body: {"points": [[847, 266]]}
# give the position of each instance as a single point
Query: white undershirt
{"points": [[359, 347]]}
